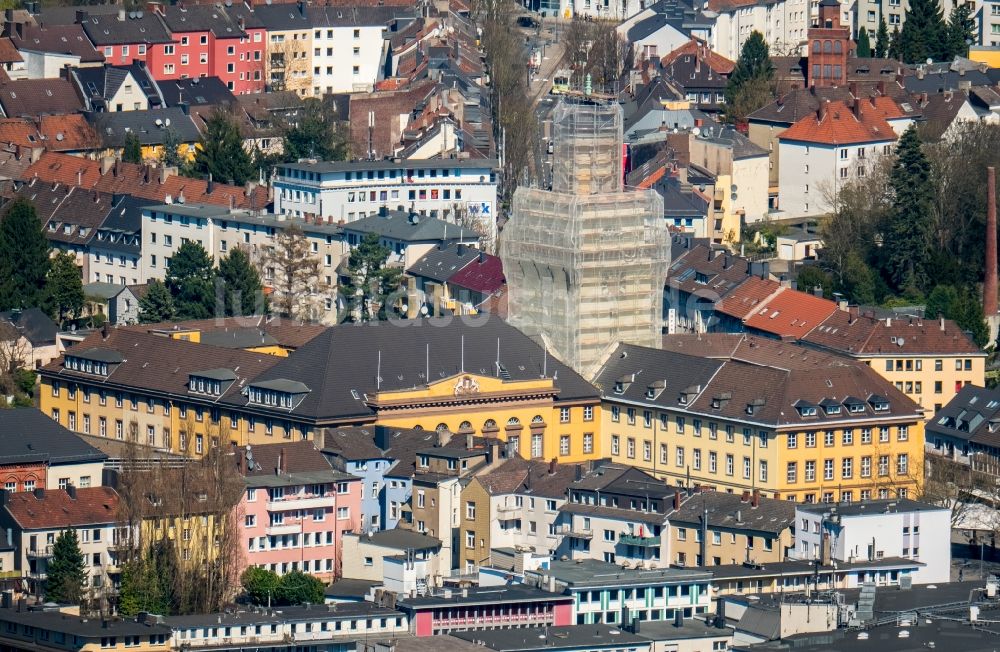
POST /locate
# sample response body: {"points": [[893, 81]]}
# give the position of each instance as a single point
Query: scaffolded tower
{"points": [[586, 262]]}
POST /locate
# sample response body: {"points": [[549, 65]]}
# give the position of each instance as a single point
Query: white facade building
{"points": [[454, 190], [822, 152], [874, 530], [347, 55]]}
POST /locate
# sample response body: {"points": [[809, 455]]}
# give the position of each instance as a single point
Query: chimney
{"points": [[745, 497], [71, 491], [821, 111], [853, 87], [824, 554], [281, 460], [469, 444], [552, 466], [679, 618], [39, 493], [990, 284], [755, 501], [941, 317], [209, 184], [871, 100], [121, 15], [881, 87], [857, 109], [163, 174], [677, 500]]}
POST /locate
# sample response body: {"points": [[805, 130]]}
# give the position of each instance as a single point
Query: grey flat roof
{"points": [[209, 211], [281, 615], [871, 507], [591, 573], [572, 637], [484, 595], [404, 164], [57, 621], [801, 567], [400, 539], [302, 477], [693, 628]]}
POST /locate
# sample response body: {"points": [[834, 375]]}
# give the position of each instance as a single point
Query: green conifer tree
{"points": [[906, 235], [864, 45], [66, 577], [157, 304], [191, 280], [882, 39], [221, 152], [132, 149], [24, 258], [242, 289], [65, 287]]}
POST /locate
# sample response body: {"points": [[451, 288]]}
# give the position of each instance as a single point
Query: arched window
{"points": [[817, 47], [442, 427], [513, 421], [537, 419], [827, 47], [465, 425], [418, 427], [837, 47], [490, 425]]}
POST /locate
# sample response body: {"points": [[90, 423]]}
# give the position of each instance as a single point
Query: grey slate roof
{"points": [[404, 347], [593, 573], [102, 290], [197, 91], [870, 507], [650, 365], [142, 27], [441, 263], [27, 435], [405, 227], [570, 637], [114, 127], [973, 415], [400, 539], [284, 16], [37, 327], [727, 510]]}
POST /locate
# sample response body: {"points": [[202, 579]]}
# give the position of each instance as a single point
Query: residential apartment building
{"points": [[485, 608], [876, 530], [602, 592], [461, 191], [289, 47], [401, 560], [296, 509], [436, 506], [965, 429], [713, 528], [929, 360], [516, 505], [374, 454], [38, 453], [313, 626], [186, 397], [822, 152], [617, 514], [212, 41], [808, 427], [37, 518], [21, 628], [348, 46]]}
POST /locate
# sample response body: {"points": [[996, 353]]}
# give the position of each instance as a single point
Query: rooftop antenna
{"points": [[378, 372], [545, 361], [498, 357], [427, 363], [463, 354]]}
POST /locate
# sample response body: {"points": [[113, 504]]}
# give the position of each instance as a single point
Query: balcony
{"points": [[574, 532], [294, 527], [505, 512], [642, 542], [314, 502], [40, 552]]}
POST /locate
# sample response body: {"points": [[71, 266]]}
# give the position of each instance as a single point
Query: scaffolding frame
{"points": [[586, 262]]}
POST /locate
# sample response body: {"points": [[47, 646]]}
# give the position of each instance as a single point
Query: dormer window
{"points": [[879, 403], [832, 409], [655, 389], [719, 401], [213, 382], [622, 383], [278, 393], [754, 405], [96, 361], [619, 387], [807, 411]]}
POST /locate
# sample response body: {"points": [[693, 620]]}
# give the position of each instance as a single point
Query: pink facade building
{"points": [[488, 607], [296, 509]]}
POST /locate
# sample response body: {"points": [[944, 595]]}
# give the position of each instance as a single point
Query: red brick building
{"points": [[829, 47]]}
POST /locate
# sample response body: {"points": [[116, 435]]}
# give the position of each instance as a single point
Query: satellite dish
{"points": [[696, 131], [167, 122], [929, 61], [158, 122]]}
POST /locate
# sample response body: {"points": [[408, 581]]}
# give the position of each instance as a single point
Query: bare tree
{"points": [[295, 274]]}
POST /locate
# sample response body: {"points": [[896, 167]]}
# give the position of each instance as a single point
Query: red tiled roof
{"points": [[485, 277], [791, 314], [9, 53], [752, 294], [63, 133], [139, 181], [698, 48], [840, 126], [853, 334], [18, 131], [55, 509]]}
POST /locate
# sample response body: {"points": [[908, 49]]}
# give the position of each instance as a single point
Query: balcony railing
{"points": [[293, 527], [509, 511], [642, 542], [40, 552], [574, 532], [312, 502]]}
